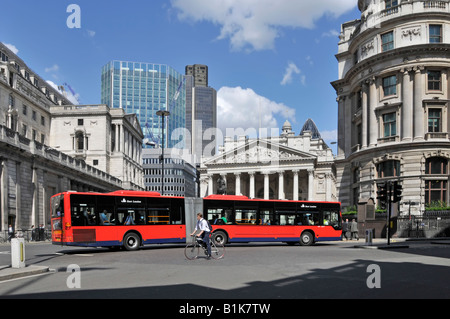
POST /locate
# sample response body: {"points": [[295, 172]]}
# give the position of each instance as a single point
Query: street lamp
{"points": [[163, 115]]}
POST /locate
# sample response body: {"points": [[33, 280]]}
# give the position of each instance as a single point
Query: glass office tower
{"points": [[144, 89]]}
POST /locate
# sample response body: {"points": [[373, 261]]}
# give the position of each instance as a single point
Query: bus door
{"points": [[84, 219], [285, 220], [166, 215], [57, 213], [246, 217]]}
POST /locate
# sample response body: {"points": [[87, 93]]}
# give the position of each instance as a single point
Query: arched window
{"points": [[436, 165], [79, 141], [389, 168]]}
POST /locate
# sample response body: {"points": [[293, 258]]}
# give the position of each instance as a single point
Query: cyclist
{"points": [[205, 232]]}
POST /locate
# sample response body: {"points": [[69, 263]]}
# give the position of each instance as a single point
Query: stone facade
{"points": [[283, 167], [36, 155], [105, 138], [393, 93]]}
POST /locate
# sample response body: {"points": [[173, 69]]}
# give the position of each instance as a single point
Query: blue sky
{"points": [[269, 60]]}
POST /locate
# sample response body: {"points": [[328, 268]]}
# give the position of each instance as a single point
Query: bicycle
{"points": [[193, 249]]}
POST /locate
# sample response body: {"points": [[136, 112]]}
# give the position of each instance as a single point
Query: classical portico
{"points": [[284, 167]]}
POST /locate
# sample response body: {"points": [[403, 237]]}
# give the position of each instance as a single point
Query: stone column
{"points": [[295, 190], [266, 185], [122, 139], [281, 185], [210, 184], [372, 119], [418, 106], [252, 184], [116, 137], [18, 224], [407, 107], [310, 184], [341, 126], [365, 109], [238, 183], [4, 194]]}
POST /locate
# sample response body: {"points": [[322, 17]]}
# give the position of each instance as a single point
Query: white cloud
{"points": [[329, 136], [12, 47], [331, 33], [291, 69], [244, 109], [53, 68], [91, 33], [255, 24]]}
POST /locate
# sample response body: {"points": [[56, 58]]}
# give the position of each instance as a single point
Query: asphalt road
{"points": [[248, 271]]}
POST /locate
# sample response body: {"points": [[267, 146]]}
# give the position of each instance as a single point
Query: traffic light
{"points": [[382, 194], [397, 192]]}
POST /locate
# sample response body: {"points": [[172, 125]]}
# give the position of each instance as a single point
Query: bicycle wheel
{"points": [[217, 251], [191, 251]]}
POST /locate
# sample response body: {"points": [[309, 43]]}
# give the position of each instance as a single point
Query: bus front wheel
{"points": [[131, 241], [306, 238]]}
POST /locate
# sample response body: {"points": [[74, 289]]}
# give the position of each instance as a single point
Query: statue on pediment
{"points": [[221, 186]]}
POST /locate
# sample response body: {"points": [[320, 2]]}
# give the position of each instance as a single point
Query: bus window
{"points": [[177, 212], [245, 216], [106, 218], [309, 218], [158, 216], [83, 210], [331, 218], [219, 216], [265, 217], [131, 216], [105, 208], [83, 215], [286, 219], [57, 203]]}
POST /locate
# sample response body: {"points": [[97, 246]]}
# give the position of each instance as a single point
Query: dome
{"points": [[311, 126], [287, 125]]}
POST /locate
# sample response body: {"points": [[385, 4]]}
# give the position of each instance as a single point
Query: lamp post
{"points": [[163, 115]]}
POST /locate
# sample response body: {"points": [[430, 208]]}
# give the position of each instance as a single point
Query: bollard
{"points": [[18, 253], [369, 236]]}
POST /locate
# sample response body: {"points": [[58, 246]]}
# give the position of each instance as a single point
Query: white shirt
{"points": [[202, 225]]}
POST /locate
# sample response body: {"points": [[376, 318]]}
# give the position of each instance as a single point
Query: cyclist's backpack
{"points": [[209, 225]]}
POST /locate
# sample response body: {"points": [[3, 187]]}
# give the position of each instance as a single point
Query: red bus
{"points": [[122, 218], [131, 219], [239, 219]]}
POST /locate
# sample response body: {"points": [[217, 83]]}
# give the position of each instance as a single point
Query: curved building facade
{"points": [[393, 96]]}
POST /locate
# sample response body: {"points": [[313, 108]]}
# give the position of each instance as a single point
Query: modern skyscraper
{"points": [[199, 72], [201, 112], [144, 89]]}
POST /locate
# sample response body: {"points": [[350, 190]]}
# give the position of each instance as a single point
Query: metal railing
{"points": [[424, 226], [29, 235]]}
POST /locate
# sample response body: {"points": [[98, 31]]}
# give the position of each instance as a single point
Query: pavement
{"points": [[8, 272]]}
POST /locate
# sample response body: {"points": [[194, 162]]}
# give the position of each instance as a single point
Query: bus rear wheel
{"points": [[131, 241], [306, 238], [220, 237]]}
